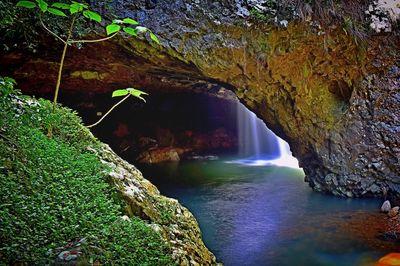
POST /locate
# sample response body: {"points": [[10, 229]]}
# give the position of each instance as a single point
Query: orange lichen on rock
{"points": [[390, 259]]}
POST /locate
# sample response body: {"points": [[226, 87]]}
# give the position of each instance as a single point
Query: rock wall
{"points": [[335, 101], [175, 223], [360, 156]]}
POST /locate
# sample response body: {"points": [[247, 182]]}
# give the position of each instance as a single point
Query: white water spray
{"points": [[258, 145], [255, 139]]}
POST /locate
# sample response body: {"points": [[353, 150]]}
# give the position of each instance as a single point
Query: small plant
{"points": [[7, 87], [257, 15], [356, 31], [72, 11], [7, 91], [118, 93]]}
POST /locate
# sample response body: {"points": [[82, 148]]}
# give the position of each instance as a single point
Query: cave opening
{"points": [[237, 177], [178, 126], [240, 181], [328, 86]]}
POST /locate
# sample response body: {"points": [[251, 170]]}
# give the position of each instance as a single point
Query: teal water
{"points": [[266, 215]]}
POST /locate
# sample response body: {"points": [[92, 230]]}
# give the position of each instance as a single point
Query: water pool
{"points": [[267, 215]]}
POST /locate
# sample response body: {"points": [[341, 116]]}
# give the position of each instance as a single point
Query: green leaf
{"points": [[132, 91], [112, 28], [130, 21], [56, 12], [154, 38], [137, 93], [75, 7], [80, 4], [60, 5], [73, 10], [130, 31], [26, 4], [118, 93], [42, 5], [11, 80], [141, 29], [92, 15]]}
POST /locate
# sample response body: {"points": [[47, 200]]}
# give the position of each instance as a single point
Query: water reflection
{"points": [[268, 215]]}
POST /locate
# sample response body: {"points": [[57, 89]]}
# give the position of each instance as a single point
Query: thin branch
{"points": [[96, 40], [62, 63], [52, 33], [109, 111]]}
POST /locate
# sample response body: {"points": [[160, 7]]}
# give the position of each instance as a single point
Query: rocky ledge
{"points": [[175, 223]]}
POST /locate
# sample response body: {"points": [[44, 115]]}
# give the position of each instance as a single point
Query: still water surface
{"points": [[266, 215]]}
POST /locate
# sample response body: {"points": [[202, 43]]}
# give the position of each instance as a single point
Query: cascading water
{"points": [[286, 158], [259, 145], [255, 139]]}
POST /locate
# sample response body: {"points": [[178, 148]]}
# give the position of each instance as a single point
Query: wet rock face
{"points": [[361, 155], [334, 102]]}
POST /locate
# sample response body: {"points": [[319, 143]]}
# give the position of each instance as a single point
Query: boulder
{"points": [[158, 155], [386, 207], [394, 212]]}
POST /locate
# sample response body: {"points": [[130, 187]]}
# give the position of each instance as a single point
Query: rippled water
{"points": [[267, 215]]}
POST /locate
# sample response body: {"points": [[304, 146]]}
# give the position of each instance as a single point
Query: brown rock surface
{"points": [[158, 155], [394, 212]]}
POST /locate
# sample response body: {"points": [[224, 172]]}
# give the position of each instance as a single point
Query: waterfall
{"points": [[255, 139], [284, 149], [258, 145]]}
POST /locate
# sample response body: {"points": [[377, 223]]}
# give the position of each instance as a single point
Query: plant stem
{"points": [[96, 40], [109, 111], [59, 77], [52, 33], [50, 128], [62, 65]]}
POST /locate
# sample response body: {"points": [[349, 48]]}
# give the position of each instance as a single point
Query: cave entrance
{"points": [[186, 126], [230, 171]]}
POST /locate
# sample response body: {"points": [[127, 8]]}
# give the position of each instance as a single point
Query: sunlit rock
{"points": [[159, 155], [391, 259]]}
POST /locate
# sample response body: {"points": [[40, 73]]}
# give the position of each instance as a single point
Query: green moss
{"points": [[167, 214], [87, 75], [54, 192]]}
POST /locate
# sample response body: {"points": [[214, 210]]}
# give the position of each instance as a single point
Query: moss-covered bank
{"points": [[60, 198]]}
